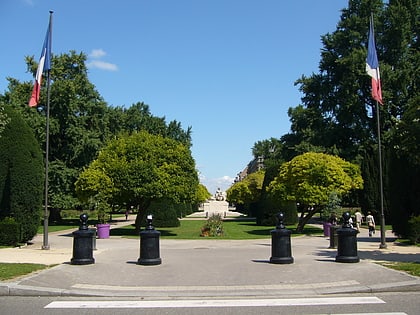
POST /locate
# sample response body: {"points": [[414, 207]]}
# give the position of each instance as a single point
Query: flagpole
{"points": [[45, 244], [381, 184], [372, 68]]}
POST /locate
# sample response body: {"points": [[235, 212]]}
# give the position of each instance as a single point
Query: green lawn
{"points": [[71, 222], [412, 268], [58, 227], [233, 230], [13, 270]]}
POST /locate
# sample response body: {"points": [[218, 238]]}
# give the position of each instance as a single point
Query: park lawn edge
{"points": [[411, 268], [13, 271]]}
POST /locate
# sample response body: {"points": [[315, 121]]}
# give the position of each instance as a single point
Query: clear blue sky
{"points": [[224, 67]]}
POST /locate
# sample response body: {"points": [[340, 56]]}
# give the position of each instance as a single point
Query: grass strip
{"points": [[412, 268], [232, 230], [13, 270]]}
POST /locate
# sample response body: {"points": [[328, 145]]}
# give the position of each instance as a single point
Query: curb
{"points": [[13, 289]]}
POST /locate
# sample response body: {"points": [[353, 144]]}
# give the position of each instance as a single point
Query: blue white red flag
{"points": [[372, 66], [43, 66]]}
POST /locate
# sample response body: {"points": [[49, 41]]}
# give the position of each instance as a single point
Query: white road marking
{"points": [[216, 303], [392, 313]]}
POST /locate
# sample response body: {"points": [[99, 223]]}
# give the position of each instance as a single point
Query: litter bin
{"points": [[327, 226]]}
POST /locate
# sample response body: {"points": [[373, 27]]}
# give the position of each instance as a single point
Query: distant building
{"points": [[255, 165]]}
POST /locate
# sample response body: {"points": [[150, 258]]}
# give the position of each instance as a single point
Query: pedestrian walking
{"points": [[370, 220], [333, 218], [359, 219]]}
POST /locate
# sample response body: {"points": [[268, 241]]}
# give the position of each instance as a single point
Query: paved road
{"points": [[209, 268], [381, 303]]}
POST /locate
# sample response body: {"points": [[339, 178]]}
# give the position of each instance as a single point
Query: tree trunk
{"points": [[140, 220], [304, 219]]}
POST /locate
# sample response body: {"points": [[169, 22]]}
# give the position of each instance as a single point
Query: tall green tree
{"points": [[21, 175], [78, 121], [4, 119], [136, 169], [201, 195], [336, 112], [338, 115], [138, 117], [310, 178], [247, 191], [81, 122], [402, 56]]}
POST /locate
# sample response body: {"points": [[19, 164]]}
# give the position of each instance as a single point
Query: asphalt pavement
{"points": [[209, 268]]}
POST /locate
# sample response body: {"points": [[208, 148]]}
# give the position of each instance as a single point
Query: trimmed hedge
{"points": [[21, 175], [183, 209], [9, 232], [414, 230], [164, 214]]}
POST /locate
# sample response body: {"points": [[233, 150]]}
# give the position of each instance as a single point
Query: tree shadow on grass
{"points": [[308, 230], [166, 233], [69, 222], [264, 232], [131, 232]]}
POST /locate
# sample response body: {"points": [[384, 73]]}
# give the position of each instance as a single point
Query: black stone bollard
{"points": [[281, 249], [347, 242], [82, 244], [149, 245]]}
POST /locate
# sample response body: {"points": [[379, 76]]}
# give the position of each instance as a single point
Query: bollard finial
{"points": [[346, 219], [83, 221], [149, 220], [280, 220]]}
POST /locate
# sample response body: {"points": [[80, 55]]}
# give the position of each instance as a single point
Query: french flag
{"points": [[372, 66], [43, 66]]}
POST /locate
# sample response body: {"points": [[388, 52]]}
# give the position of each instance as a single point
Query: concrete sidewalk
{"points": [[209, 268]]}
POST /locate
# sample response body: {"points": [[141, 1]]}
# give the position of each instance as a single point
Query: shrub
{"points": [[414, 229], [9, 232], [71, 214], [21, 176], [270, 207], [183, 209], [333, 206], [213, 227], [164, 214]]}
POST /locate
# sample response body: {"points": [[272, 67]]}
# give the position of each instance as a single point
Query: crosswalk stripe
{"points": [[216, 303], [392, 313]]}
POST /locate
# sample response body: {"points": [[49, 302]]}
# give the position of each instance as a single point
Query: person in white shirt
{"points": [[359, 219], [370, 220]]}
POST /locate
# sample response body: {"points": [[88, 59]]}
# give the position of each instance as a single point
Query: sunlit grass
{"points": [[412, 268], [232, 230], [71, 222], [13, 270]]}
